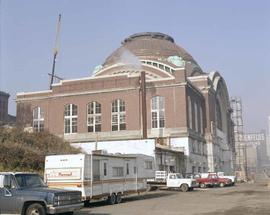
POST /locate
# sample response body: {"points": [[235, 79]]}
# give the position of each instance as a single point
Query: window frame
{"points": [[117, 172], [118, 115], [157, 110], [39, 121], [72, 119], [94, 116]]}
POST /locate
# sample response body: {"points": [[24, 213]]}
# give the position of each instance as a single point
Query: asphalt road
{"points": [[242, 199]]}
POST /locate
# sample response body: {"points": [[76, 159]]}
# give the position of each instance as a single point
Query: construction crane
{"points": [[55, 52]]}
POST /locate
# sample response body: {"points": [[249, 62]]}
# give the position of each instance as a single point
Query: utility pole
{"points": [[144, 107], [56, 50]]}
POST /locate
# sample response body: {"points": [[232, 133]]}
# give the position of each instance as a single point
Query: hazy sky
{"points": [[230, 36]]}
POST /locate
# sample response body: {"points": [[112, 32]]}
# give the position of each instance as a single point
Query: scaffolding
{"points": [[240, 160]]}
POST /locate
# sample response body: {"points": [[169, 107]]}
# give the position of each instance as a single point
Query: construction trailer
{"points": [[100, 176]]}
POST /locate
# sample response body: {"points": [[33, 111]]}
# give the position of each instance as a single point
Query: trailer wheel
{"points": [[184, 187], [112, 199], [202, 185], [86, 203], [118, 198]]}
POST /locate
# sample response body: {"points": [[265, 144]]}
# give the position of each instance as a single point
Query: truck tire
{"points": [[112, 199], [202, 185], [118, 198], [35, 209], [184, 187], [222, 184]]}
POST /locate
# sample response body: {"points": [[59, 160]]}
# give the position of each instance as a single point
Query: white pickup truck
{"points": [[172, 180]]}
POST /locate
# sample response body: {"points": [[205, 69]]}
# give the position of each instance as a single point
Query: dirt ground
{"points": [[242, 199]]}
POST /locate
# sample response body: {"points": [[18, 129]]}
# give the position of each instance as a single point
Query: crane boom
{"points": [[56, 49]]}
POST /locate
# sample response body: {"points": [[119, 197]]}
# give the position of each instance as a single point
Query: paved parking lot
{"points": [[248, 199]]}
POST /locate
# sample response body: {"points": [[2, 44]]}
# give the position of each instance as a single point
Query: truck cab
{"points": [[26, 193]]}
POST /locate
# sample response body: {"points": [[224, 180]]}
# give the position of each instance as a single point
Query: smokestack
{"points": [[144, 110]]}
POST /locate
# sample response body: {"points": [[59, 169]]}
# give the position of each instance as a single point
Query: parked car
{"points": [[231, 177], [223, 181], [212, 179], [26, 194], [206, 180]]}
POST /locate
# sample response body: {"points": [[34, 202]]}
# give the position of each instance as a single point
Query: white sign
{"points": [[252, 137]]}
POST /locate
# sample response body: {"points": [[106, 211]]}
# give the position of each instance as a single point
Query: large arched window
{"points": [[94, 117], [201, 120], [38, 119], [71, 118], [219, 116], [190, 113], [158, 112], [196, 116], [118, 115]]}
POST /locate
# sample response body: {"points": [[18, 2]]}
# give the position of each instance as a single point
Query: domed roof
{"points": [[149, 45]]}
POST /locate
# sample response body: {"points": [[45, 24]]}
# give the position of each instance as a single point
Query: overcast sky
{"points": [[230, 36]]}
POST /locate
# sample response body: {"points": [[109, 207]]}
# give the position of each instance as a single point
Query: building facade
{"points": [[148, 90], [5, 118]]}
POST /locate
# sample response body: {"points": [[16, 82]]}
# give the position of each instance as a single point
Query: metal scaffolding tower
{"points": [[240, 146]]}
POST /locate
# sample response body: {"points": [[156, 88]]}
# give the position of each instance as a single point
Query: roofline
{"points": [[33, 92], [156, 35]]}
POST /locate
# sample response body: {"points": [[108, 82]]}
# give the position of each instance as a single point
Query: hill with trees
{"points": [[24, 151]]}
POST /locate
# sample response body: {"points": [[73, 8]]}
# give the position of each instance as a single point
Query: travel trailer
{"points": [[100, 176]]}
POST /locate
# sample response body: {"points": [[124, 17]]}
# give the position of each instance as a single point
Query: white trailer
{"points": [[100, 176]]}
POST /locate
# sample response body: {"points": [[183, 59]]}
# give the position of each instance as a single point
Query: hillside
{"points": [[23, 151]]}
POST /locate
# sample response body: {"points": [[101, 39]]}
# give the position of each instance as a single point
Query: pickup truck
{"points": [[172, 180], [26, 194]]}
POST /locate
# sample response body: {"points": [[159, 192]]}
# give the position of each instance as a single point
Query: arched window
{"points": [[196, 117], [219, 116], [71, 118], [94, 117], [201, 120], [190, 113], [38, 119], [158, 112], [118, 115]]}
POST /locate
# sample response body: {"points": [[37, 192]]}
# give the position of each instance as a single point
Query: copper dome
{"points": [[149, 45]]}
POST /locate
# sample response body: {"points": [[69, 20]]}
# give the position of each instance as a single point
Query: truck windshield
{"points": [[29, 180], [179, 175]]}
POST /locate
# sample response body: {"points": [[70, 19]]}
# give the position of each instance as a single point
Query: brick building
{"points": [[5, 118], [180, 113]]}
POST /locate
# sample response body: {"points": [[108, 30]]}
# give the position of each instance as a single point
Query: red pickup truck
{"points": [[211, 179]]}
